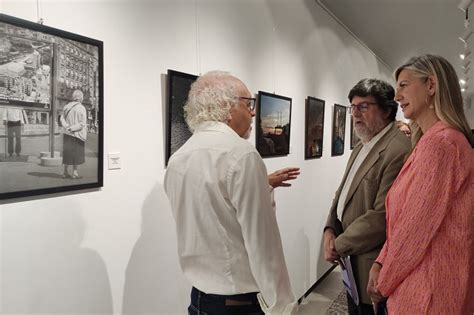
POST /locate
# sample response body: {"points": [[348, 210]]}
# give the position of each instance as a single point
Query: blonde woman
{"points": [[427, 263]]}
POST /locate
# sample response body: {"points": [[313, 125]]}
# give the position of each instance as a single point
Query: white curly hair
{"points": [[211, 98]]}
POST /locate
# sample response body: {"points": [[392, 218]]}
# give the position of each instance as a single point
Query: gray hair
{"points": [[77, 95], [211, 98]]}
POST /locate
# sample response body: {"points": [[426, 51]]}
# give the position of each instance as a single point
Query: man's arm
{"points": [[367, 232], [279, 178], [247, 184]]}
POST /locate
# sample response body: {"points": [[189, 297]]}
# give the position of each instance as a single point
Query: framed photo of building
{"points": [[51, 107], [354, 138], [179, 84], [314, 128], [273, 124], [338, 130]]}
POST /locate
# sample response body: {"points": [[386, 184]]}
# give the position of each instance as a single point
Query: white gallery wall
{"points": [[113, 250]]}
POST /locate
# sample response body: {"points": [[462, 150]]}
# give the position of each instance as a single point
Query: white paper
{"points": [[348, 278]]}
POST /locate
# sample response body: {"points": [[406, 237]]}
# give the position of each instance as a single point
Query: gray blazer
{"points": [[362, 233]]}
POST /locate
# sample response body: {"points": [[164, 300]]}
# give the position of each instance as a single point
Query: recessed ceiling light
{"points": [[465, 36], [464, 4]]}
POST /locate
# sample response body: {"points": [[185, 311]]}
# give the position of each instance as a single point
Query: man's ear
{"points": [[229, 118]]}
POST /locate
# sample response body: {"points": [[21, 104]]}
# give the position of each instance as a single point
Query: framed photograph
{"points": [[354, 138], [51, 106], [314, 128], [338, 130], [273, 124], [178, 133]]}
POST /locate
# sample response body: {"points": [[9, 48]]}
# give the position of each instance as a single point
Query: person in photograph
{"points": [[355, 225], [74, 122], [13, 120], [229, 244], [427, 263]]}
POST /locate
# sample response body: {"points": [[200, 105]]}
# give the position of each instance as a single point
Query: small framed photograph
{"points": [[338, 130], [273, 122], [314, 128], [177, 131], [51, 107], [354, 138]]}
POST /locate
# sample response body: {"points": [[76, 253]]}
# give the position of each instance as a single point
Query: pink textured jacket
{"points": [[428, 257]]}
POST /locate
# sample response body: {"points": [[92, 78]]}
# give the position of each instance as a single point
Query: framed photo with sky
{"points": [[273, 124], [177, 131], [338, 130], [51, 107], [314, 128]]}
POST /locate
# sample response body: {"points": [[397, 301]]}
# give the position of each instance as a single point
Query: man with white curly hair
{"points": [[229, 244]]}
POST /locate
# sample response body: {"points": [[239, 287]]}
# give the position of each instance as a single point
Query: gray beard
{"points": [[366, 133], [247, 133]]}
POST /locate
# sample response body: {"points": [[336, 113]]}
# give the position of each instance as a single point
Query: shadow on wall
{"points": [[153, 281], [44, 268], [299, 255]]}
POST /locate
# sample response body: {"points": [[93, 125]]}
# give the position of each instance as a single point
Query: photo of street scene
{"points": [[338, 130], [273, 124], [314, 128], [50, 108]]}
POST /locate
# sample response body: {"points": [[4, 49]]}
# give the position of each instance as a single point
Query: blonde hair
{"points": [[448, 102]]}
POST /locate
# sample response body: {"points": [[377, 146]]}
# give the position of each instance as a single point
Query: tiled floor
{"points": [[325, 293]]}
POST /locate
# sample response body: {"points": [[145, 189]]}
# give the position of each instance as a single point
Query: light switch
{"points": [[114, 161]]}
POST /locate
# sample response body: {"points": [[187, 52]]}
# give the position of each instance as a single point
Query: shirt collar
{"points": [[215, 126], [379, 135]]}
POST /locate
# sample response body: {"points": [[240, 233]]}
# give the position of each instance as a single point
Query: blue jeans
{"points": [[213, 304]]}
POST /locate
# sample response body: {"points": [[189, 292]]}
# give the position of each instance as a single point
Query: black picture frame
{"points": [[273, 124], [177, 131], [314, 128], [338, 130], [40, 67], [354, 138]]}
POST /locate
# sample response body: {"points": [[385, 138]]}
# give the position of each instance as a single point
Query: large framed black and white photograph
{"points": [[338, 130], [177, 131], [314, 128], [51, 106], [273, 124]]}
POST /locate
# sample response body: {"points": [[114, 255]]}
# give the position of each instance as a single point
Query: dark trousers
{"points": [[213, 304], [14, 131], [361, 309]]}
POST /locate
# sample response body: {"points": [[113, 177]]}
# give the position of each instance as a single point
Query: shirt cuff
{"points": [[289, 309]]}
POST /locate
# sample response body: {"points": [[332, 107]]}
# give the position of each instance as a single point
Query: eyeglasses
{"points": [[250, 102], [362, 107]]}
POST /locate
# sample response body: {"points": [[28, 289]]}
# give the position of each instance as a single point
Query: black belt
{"points": [[236, 299]]}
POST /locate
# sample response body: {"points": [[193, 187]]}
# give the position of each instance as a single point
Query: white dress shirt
{"points": [[13, 114], [228, 237], [363, 153]]}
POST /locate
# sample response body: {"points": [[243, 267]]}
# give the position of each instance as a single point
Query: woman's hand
{"points": [[374, 294]]}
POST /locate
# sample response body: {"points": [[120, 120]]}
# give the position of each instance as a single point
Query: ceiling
{"points": [[396, 30]]}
